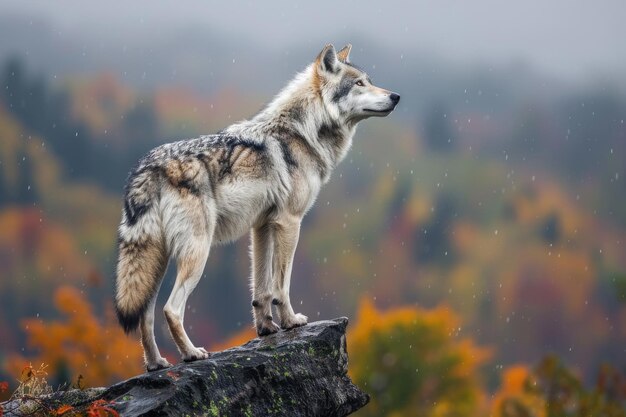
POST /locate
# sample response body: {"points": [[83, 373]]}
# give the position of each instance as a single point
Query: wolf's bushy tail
{"points": [[142, 256]]}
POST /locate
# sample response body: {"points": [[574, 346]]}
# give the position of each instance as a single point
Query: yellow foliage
{"points": [[413, 363], [513, 397], [544, 199]]}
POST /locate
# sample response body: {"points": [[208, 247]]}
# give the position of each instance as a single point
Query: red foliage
{"points": [[63, 409], [101, 408]]}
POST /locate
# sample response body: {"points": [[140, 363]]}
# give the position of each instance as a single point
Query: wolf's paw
{"points": [[157, 365], [267, 327], [296, 320], [195, 354]]}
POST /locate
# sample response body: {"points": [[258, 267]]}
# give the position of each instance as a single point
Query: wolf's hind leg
{"points": [[286, 234], [154, 360], [262, 279], [189, 222], [190, 267]]}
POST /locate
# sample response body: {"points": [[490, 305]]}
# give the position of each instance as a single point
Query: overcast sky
{"points": [[564, 37]]}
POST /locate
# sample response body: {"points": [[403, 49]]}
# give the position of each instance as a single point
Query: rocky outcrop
{"points": [[300, 372]]}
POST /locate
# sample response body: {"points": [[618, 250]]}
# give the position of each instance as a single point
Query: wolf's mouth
{"points": [[380, 111]]}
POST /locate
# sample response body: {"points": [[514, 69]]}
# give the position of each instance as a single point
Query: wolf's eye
{"points": [[360, 83]]}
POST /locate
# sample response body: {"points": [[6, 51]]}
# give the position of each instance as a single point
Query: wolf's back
{"points": [[142, 256]]}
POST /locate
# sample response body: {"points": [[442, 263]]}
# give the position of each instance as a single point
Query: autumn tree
{"points": [[79, 346], [513, 399], [413, 363], [553, 390]]}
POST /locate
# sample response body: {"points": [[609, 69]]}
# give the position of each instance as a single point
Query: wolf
{"points": [[260, 175]]}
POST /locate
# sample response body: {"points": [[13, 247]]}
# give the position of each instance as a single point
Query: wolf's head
{"points": [[347, 91]]}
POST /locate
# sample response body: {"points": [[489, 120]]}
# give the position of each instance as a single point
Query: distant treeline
{"points": [[46, 112]]}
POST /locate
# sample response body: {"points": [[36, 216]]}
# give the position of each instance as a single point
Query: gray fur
{"points": [[346, 84], [261, 175]]}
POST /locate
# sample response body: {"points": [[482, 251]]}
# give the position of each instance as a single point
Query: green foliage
{"points": [[618, 281], [565, 395], [412, 363], [553, 390]]}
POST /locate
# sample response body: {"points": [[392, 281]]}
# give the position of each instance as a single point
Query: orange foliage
{"points": [[97, 408], [178, 108], [513, 394], [244, 335], [10, 145], [63, 409], [82, 345], [100, 102], [27, 240]]}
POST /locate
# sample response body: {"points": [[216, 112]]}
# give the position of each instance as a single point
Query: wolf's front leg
{"points": [[286, 234], [262, 240]]}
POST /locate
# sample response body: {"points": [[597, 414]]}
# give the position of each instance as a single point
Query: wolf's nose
{"points": [[395, 98]]}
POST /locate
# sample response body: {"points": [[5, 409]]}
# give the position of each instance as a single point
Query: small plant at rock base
{"points": [[35, 397], [32, 382]]}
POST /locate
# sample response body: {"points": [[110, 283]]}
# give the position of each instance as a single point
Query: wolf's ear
{"points": [[344, 53], [327, 59]]}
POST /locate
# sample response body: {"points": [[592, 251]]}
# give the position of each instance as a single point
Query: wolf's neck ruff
{"points": [[299, 114], [261, 175]]}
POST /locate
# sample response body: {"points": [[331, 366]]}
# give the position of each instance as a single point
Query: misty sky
{"points": [[565, 37]]}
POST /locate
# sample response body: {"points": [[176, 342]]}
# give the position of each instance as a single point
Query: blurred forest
{"points": [[475, 237]]}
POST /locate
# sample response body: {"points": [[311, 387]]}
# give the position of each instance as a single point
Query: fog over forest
{"points": [[489, 207]]}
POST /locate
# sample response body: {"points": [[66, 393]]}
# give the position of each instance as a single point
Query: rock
{"points": [[300, 372]]}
